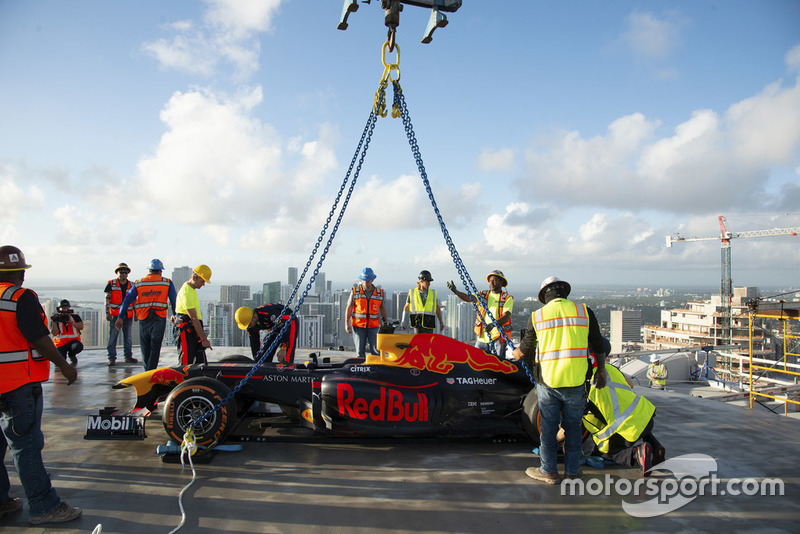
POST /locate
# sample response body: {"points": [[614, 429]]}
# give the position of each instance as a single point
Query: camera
{"points": [[60, 317]]}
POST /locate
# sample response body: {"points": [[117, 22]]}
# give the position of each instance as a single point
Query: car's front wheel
{"points": [[193, 399]]}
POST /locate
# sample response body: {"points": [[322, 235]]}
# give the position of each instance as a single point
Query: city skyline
{"points": [[558, 139]]}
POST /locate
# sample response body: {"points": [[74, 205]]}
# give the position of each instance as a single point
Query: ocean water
{"points": [[88, 298]]}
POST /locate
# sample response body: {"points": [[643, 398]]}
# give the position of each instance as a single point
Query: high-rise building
{"points": [[340, 336], [292, 276], [219, 324], [311, 331], [395, 310], [181, 275], [319, 284], [236, 295], [326, 311], [272, 293], [460, 319], [626, 327], [93, 323]]}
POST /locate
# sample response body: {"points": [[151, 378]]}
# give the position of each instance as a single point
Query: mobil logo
{"points": [[439, 353], [384, 403]]}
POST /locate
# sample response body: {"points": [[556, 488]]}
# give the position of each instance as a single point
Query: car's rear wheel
{"points": [[531, 420], [190, 401]]}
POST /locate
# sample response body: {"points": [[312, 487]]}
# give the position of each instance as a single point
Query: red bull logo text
{"points": [[439, 354], [391, 405]]}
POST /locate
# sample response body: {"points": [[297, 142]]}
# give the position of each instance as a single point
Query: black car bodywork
{"points": [[420, 385]]}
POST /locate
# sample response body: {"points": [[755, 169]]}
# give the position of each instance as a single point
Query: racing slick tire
{"points": [[531, 421], [192, 399]]}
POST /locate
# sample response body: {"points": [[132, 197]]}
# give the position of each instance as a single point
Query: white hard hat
{"points": [[654, 358], [552, 280]]}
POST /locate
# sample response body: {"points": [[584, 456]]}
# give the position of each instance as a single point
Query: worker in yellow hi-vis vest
{"points": [[657, 373]]}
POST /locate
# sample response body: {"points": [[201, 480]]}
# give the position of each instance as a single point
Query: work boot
{"points": [[644, 455], [131, 360], [61, 514], [11, 506], [537, 474], [576, 476], [112, 363]]}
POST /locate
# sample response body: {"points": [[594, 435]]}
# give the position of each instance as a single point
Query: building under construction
{"points": [[752, 352]]}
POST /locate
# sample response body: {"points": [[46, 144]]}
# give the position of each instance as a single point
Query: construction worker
{"points": [[269, 317], [66, 328], [26, 351], [500, 304], [190, 337], [657, 372], [149, 298], [620, 422], [115, 291], [365, 313], [423, 305], [560, 335]]}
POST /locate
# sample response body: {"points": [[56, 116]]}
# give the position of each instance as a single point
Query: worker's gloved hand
{"points": [[451, 286]]}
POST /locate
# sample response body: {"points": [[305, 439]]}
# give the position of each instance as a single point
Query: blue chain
{"points": [[268, 347], [400, 103]]}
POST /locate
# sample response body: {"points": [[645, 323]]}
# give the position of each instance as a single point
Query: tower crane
{"points": [[725, 236]]}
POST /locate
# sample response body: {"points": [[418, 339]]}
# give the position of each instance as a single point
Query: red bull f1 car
{"points": [[421, 385]]}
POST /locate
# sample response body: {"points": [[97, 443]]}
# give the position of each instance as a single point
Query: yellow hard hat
{"points": [[243, 317], [204, 272]]}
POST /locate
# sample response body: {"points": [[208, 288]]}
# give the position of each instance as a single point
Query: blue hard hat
{"points": [[156, 265], [367, 274]]}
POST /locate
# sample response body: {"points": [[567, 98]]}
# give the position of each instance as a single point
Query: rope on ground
{"points": [[188, 448]]}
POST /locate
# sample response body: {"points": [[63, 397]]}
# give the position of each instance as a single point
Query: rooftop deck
{"points": [[357, 486]]}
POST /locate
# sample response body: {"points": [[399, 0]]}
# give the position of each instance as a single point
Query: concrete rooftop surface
{"points": [[303, 484]]}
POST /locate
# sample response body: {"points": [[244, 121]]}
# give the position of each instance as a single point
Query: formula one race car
{"points": [[420, 385]]}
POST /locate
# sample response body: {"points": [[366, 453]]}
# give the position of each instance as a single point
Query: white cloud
{"points": [[651, 36], [13, 199], [793, 59], [217, 165], [228, 34], [499, 160], [710, 162]]}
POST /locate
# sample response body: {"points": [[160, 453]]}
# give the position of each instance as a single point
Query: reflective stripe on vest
{"points": [[562, 333], [657, 373], [152, 293], [66, 334], [626, 412], [20, 364], [116, 297], [482, 318], [423, 315], [367, 308], [417, 306]]}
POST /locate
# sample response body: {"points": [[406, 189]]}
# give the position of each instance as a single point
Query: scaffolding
{"points": [[784, 370]]}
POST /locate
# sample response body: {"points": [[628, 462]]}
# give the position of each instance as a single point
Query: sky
{"points": [[559, 138]]}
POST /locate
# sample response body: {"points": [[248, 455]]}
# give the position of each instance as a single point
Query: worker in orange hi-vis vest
{"points": [[365, 313], [500, 304], [149, 298], [116, 290], [66, 326], [26, 351]]}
